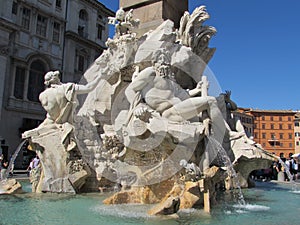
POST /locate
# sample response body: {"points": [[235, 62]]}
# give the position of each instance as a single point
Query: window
{"points": [[280, 126], [280, 118], [289, 118], [58, 3], [81, 60], [290, 145], [281, 135], [255, 135], [25, 18], [14, 9], [255, 126], [100, 31], [83, 15], [289, 126], [297, 134], [263, 135], [272, 126], [271, 118], [80, 63], [36, 80], [297, 143], [273, 136], [290, 136], [263, 126], [296, 124], [263, 118], [41, 26], [56, 32], [246, 130], [19, 82], [83, 23]]}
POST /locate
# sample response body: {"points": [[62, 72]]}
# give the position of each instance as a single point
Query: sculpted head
{"points": [[120, 14], [52, 77], [161, 56], [161, 60]]}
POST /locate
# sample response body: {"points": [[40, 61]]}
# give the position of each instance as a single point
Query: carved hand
{"points": [[140, 111]]}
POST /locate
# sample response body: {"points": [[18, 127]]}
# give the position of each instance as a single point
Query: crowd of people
{"points": [[293, 166], [282, 170]]}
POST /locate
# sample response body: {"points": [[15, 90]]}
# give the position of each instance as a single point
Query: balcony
{"points": [[274, 142]]}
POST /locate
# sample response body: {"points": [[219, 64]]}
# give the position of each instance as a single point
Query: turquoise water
{"points": [[268, 203]]}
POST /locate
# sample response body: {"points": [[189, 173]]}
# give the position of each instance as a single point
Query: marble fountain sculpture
{"points": [[142, 124]]}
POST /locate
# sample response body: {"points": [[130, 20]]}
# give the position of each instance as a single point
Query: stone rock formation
{"points": [[10, 186]]}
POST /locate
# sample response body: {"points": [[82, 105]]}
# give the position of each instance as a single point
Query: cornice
{"points": [[8, 25], [290, 111], [74, 36], [99, 5], [48, 13]]}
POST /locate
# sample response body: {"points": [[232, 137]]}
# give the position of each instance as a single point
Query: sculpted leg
{"points": [[186, 109], [173, 115], [192, 107]]}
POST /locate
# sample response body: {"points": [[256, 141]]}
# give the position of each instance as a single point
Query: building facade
{"points": [[247, 120], [297, 132], [274, 130], [37, 36]]}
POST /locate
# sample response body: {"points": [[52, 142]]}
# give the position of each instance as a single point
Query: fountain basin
{"points": [[268, 203]]}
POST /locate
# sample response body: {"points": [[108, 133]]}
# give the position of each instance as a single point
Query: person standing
{"points": [[35, 162], [4, 166], [275, 170], [294, 167], [30, 167]]}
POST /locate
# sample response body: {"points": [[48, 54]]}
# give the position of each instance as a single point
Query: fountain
{"points": [[143, 125], [222, 155], [14, 156]]}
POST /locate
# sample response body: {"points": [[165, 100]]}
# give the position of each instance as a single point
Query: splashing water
{"points": [[14, 156], [253, 207], [222, 154]]}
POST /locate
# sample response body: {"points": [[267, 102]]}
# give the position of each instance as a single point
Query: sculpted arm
{"points": [[83, 89], [43, 99], [196, 90]]}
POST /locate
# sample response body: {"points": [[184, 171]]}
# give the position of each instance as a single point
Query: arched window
{"points": [[83, 15], [36, 80], [83, 23]]}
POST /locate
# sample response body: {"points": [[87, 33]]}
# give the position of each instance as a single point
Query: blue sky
{"points": [[258, 50]]}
